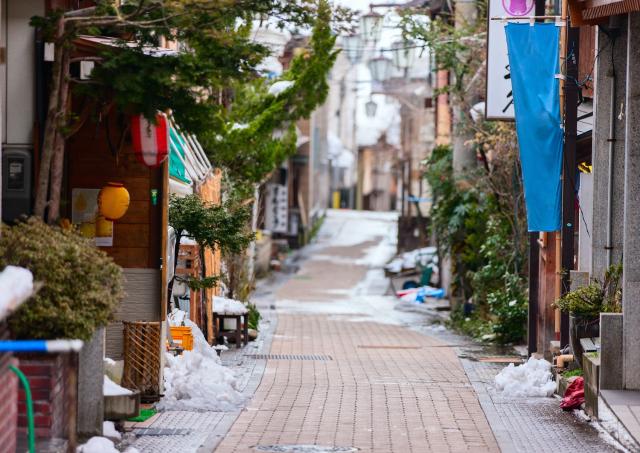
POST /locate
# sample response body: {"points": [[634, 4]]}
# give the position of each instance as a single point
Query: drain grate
{"points": [[387, 346], [162, 431], [319, 357], [303, 449]]}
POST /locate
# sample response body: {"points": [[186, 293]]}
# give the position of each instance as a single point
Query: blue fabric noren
{"points": [[533, 61]]}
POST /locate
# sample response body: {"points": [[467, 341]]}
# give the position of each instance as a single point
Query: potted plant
{"points": [[585, 304], [80, 289]]}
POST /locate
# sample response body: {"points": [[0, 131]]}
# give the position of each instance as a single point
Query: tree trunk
{"points": [[51, 125], [206, 293], [57, 167]]}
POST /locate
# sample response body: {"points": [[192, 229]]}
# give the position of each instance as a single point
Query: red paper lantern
{"points": [[150, 141]]}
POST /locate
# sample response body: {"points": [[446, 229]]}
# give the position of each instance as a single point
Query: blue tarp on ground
{"points": [[533, 62]]}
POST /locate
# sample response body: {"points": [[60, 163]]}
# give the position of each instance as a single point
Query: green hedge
{"points": [[81, 285]]}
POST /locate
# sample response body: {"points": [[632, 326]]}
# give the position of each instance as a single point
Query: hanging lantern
{"points": [[371, 108], [371, 26], [380, 68], [113, 201], [352, 45], [150, 141], [403, 54]]}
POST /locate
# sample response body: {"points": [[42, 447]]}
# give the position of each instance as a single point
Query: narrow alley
{"points": [[348, 372]]}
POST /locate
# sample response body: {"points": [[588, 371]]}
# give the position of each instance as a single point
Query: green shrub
{"points": [[254, 316], [591, 300], [82, 286]]}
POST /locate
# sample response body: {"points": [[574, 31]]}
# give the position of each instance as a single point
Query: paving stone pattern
{"points": [[531, 424]]}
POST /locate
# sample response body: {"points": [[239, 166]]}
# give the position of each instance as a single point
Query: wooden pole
{"points": [[534, 259], [72, 416]]}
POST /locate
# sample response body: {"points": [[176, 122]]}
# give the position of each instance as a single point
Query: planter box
{"points": [[580, 327], [48, 377], [121, 407], [591, 368]]}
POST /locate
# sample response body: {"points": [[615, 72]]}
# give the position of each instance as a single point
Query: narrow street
{"points": [[348, 372]]}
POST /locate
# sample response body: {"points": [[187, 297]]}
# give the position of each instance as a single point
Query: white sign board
{"points": [[276, 214], [499, 104]]}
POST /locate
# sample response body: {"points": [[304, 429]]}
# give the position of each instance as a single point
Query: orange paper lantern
{"points": [[113, 201]]}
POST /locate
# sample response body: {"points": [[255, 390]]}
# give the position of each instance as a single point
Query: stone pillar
{"points": [[611, 364], [601, 135], [631, 259], [90, 384]]}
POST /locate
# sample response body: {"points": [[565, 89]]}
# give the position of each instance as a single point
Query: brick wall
{"points": [[8, 404], [47, 375]]}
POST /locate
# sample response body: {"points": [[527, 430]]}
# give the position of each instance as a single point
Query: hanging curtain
{"points": [[533, 61]]}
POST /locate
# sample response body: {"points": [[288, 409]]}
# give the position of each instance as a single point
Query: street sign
{"points": [[499, 104]]}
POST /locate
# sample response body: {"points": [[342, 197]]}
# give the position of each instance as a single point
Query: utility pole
{"points": [[571, 96]]}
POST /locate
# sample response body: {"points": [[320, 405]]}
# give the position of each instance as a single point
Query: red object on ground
{"points": [[574, 396], [150, 141]]}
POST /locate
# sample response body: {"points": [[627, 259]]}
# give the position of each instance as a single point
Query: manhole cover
{"points": [[303, 449], [374, 346], [320, 357]]}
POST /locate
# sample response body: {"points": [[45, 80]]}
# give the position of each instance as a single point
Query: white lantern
{"points": [[380, 68], [371, 26], [403, 54], [352, 45], [371, 108]]}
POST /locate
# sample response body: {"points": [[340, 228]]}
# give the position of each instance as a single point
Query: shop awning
{"points": [[187, 160], [593, 12]]}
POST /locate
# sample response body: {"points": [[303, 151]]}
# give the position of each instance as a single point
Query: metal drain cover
{"points": [[320, 357], [303, 449]]}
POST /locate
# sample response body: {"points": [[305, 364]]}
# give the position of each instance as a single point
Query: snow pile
{"points": [[110, 388], [530, 379], [114, 369], [16, 286], [280, 87], [196, 380], [98, 444], [109, 430], [411, 259], [225, 306]]}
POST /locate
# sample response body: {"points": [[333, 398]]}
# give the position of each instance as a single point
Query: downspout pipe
{"points": [[612, 33]]}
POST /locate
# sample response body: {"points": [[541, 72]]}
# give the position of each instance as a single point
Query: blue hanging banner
{"points": [[533, 62]]}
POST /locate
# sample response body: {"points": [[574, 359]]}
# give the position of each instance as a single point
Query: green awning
{"points": [[176, 157]]}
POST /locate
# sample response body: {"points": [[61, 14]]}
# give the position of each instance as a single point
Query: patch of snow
{"points": [[197, 380], [531, 379], [280, 86], [109, 430], [110, 388], [346, 228], [223, 305], [16, 286], [411, 259], [98, 444], [437, 328], [114, 369]]}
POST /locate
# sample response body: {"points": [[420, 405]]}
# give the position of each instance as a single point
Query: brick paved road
{"points": [[377, 386]]}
